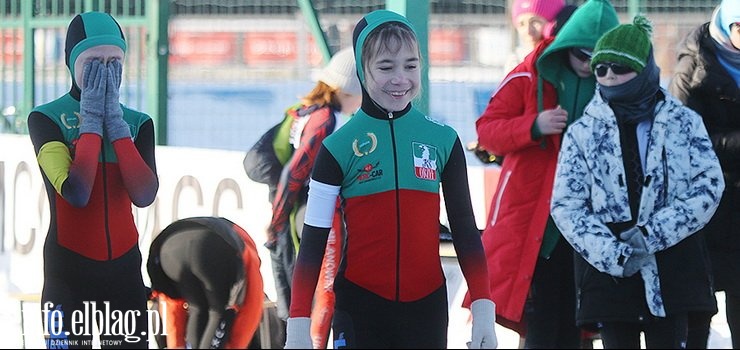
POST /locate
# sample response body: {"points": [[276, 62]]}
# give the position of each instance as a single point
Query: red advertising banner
{"points": [[11, 46], [270, 47], [203, 48], [278, 48], [446, 46]]}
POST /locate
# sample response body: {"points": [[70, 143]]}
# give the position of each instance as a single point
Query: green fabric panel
{"points": [[64, 111], [55, 159], [364, 148], [550, 238], [281, 142]]}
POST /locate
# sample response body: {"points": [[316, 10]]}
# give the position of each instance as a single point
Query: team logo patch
{"points": [[425, 161], [365, 145], [369, 172], [71, 121]]}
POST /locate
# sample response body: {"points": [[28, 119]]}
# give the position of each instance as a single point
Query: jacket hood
{"points": [[364, 27], [584, 28], [91, 29]]}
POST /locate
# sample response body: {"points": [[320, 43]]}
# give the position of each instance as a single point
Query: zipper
{"points": [[664, 185], [106, 222], [398, 207], [497, 204]]}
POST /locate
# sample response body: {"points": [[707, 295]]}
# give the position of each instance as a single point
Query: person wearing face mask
{"points": [[530, 265], [387, 164], [96, 158], [707, 80], [636, 180], [333, 100]]}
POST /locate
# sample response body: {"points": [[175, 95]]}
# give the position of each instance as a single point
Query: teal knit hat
{"points": [[627, 44]]}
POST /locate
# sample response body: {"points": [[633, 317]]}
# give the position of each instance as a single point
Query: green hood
{"points": [[365, 26], [584, 28]]}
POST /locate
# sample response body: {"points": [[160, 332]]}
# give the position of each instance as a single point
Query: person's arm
{"points": [[505, 125], [687, 211], [680, 83], [137, 165], [135, 161], [72, 175], [469, 249], [318, 127], [465, 234], [685, 68], [174, 312], [323, 191], [572, 211], [249, 312]]}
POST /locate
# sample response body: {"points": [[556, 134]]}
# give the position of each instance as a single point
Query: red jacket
{"points": [[521, 204]]}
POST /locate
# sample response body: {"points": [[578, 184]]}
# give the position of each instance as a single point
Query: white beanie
{"points": [[341, 73]]}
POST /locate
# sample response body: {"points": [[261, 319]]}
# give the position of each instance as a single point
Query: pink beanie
{"points": [[546, 9]]}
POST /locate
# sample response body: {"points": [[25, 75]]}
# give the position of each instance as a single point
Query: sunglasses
{"points": [[582, 55], [617, 69]]}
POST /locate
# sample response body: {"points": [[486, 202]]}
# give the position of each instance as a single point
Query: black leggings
{"points": [[660, 333], [550, 308], [363, 320], [204, 268], [732, 303], [700, 324], [75, 285]]}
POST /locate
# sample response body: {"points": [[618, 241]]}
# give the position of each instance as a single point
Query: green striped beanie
{"points": [[626, 44]]}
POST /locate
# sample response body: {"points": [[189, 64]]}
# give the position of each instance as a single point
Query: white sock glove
{"points": [[298, 333], [484, 323]]}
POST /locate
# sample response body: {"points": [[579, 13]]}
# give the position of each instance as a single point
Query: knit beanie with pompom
{"points": [[626, 44]]}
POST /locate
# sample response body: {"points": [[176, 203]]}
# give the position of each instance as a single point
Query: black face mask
{"points": [[635, 100]]}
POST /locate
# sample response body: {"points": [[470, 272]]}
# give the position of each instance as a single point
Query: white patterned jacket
{"points": [[683, 186]]}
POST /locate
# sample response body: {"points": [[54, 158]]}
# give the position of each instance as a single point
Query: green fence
{"points": [[32, 66], [250, 44]]}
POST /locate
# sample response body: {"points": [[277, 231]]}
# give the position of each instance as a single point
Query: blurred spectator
{"points": [[636, 179], [530, 18], [706, 79], [530, 265]]}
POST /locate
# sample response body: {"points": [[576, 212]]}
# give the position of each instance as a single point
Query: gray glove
{"points": [[115, 126], [298, 333], [484, 325], [92, 97], [634, 238]]}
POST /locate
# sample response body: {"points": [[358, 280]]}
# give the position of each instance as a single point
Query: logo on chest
{"points": [[369, 172], [425, 161]]}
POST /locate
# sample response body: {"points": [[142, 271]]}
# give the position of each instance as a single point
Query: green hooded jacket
{"points": [[582, 30], [587, 24]]}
